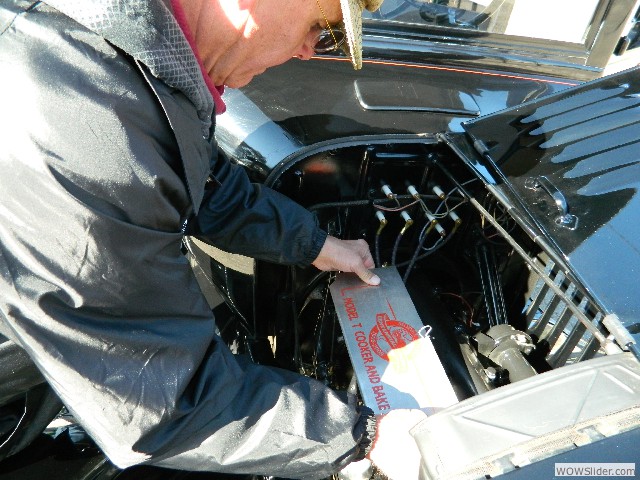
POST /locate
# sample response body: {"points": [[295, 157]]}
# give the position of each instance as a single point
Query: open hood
{"points": [[569, 164]]}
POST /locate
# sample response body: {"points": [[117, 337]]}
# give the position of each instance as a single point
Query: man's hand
{"points": [[394, 450], [347, 256]]}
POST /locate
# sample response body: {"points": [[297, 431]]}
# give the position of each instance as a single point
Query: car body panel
{"points": [[274, 119], [585, 143]]}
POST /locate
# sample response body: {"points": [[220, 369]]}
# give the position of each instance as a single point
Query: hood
{"points": [[570, 163]]}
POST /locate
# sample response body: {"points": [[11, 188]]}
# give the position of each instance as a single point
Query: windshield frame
{"points": [[580, 61]]}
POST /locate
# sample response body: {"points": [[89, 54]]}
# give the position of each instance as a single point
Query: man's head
{"points": [[239, 39]]}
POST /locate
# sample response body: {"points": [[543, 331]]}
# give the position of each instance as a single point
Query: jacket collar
{"points": [[148, 31]]}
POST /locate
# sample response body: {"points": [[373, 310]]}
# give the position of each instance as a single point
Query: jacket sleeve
{"points": [[253, 220], [94, 287]]}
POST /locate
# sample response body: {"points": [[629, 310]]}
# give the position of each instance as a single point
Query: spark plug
{"points": [[416, 195], [382, 220], [386, 190], [457, 221], [434, 222], [408, 221], [413, 192], [438, 191]]}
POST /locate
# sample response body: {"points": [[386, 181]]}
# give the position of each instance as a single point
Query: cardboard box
{"points": [[392, 354]]}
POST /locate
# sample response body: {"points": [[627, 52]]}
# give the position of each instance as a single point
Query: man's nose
{"points": [[305, 52]]}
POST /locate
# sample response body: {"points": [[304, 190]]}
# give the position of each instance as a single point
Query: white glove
{"points": [[395, 451]]}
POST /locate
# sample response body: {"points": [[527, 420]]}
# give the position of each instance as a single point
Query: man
{"points": [[107, 159]]}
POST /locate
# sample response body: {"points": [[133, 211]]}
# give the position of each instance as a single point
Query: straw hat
{"points": [[352, 19]]}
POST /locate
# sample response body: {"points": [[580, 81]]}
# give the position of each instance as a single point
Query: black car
{"points": [[481, 153]]}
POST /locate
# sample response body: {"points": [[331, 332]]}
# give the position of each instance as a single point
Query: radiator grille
{"points": [[551, 321], [558, 312]]}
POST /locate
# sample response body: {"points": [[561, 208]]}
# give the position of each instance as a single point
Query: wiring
{"points": [[465, 302], [414, 257], [408, 221], [379, 203], [397, 209], [441, 242], [383, 223], [445, 204], [501, 216], [377, 250]]}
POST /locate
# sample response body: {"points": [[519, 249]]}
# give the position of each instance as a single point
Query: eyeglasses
{"points": [[329, 39]]}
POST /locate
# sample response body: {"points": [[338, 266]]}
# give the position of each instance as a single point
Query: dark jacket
{"points": [[105, 147]]}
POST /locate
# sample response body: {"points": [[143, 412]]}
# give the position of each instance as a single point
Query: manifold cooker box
{"points": [[394, 360]]}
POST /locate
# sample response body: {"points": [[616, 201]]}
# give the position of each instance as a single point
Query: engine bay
{"points": [[423, 211], [500, 307]]}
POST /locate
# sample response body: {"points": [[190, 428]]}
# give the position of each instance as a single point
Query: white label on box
{"points": [[394, 360]]}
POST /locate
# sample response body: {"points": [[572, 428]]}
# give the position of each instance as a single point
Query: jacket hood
{"points": [[148, 31]]}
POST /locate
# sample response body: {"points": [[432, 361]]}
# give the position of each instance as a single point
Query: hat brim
{"points": [[352, 24]]}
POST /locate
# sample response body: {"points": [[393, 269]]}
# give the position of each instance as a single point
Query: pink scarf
{"points": [[216, 91]]}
